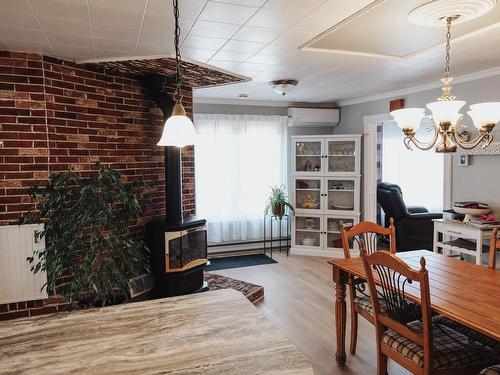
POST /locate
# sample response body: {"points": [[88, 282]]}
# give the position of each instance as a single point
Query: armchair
{"points": [[414, 226]]}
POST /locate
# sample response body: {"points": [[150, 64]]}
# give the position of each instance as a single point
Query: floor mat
{"points": [[238, 261]]}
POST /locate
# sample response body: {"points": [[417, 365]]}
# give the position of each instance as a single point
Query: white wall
{"points": [[481, 179]]}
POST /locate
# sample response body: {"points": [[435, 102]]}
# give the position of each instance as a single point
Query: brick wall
{"points": [[56, 115]]}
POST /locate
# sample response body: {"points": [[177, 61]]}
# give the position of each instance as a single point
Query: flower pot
{"points": [[279, 209]]}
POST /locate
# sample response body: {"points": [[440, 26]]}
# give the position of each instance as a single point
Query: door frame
{"points": [[370, 124]]}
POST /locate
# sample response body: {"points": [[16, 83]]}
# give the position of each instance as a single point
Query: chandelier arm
{"points": [[476, 141], [421, 145]]}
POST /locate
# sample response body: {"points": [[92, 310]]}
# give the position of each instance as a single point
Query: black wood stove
{"points": [[178, 244]]}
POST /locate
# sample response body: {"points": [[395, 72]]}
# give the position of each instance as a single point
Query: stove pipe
{"points": [[154, 85]]}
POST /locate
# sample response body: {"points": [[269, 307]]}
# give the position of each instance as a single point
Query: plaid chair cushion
{"points": [[493, 370], [451, 349], [470, 333]]}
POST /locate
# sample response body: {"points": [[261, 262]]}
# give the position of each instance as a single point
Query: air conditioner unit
{"points": [[313, 117]]}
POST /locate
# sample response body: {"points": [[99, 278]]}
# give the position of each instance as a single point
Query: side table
{"points": [[276, 243], [462, 238]]}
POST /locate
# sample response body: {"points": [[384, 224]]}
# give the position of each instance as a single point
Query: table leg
{"points": [[479, 249], [436, 239], [340, 322]]}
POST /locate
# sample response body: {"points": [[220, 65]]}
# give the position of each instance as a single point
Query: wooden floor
{"points": [[299, 297]]}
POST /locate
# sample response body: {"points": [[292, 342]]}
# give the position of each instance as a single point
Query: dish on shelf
{"points": [[308, 241], [472, 211]]}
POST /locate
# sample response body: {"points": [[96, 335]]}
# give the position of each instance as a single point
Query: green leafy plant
{"points": [[278, 202], [90, 255]]}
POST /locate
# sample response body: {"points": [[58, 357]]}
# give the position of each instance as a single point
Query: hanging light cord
{"points": [[448, 39], [446, 94], [177, 34]]}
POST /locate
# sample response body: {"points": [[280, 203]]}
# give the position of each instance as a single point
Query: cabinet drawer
{"points": [[454, 231]]}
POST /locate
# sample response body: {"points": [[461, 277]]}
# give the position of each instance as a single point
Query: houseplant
{"points": [[278, 202], [89, 256]]}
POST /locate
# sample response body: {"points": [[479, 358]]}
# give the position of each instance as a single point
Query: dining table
{"points": [[466, 293]]}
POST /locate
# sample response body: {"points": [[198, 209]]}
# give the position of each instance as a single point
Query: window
{"points": [[238, 158], [418, 173]]}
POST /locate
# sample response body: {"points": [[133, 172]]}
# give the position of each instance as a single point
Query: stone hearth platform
{"points": [[254, 293]]}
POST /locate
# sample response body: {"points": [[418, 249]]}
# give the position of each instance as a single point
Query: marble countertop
{"points": [[218, 332]]}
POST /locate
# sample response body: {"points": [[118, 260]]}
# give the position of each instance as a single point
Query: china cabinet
{"points": [[325, 191]]}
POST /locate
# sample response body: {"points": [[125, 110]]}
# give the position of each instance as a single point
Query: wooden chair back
{"points": [[494, 246], [394, 278], [366, 235]]}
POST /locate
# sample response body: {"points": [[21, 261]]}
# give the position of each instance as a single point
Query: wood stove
{"points": [[178, 245]]}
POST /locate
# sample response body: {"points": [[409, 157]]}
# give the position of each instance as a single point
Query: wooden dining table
{"points": [[465, 292]]}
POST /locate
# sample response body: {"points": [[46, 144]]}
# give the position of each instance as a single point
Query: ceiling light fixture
{"points": [[178, 129], [446, 114], [283, 86]]}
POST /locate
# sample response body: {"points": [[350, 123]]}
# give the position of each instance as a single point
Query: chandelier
{"points": [[283, 86], [178, 129], [446, 116]]}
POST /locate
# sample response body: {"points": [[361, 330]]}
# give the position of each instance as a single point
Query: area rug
{"points": [[253, 292], [238, 261]]}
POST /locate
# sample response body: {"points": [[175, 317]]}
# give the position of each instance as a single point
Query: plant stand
{"points": [[279, 242]]}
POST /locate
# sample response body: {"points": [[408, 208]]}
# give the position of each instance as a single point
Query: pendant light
{"points": [[178, 129], [446, 116]]}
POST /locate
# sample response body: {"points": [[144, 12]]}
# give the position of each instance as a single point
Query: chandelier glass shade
{"points": [[446, 116], [178, 130]]}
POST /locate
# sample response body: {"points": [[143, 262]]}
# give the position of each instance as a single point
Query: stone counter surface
{"points": [[217, 332]]}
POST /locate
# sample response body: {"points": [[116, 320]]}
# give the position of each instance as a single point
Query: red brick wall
{"points": [[56, 115]]}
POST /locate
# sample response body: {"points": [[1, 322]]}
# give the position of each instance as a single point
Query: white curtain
{"points": [[418, 173], [238, 158]]}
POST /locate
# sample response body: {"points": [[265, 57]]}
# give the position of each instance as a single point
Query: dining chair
{"points": [[493, 370], [366, 235], [416, 344]]}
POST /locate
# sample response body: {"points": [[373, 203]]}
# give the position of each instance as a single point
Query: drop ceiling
{"points": [[259, 39]]}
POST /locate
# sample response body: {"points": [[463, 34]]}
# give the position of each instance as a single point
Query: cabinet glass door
{"points": [[308, 195], [341, 156], [333, 239], [341, 195], [308, 156], [308, 231]]}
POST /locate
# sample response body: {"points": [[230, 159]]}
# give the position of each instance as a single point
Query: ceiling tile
{"points": [[257, 34], [187, 8], [231, 56], [227, 13], [12, 33], [242, 46], [61, 9], [130, 5], [60, 25], [198, 54], [28, 46], [65, 39], [214, 29], [248, 3], [301, 5], [114, 32], [73, 52], [275, 19], [115, 44], [116, 17], [194, 41], [24, 20], [21, 6]]}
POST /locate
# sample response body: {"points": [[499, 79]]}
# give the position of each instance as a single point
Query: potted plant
{"points": [[278, 202], [90, 255]]}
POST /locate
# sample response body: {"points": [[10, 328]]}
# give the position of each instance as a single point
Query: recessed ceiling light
{"points": [[283, 86]]}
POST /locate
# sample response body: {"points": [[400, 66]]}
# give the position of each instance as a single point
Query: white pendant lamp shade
{"points": [[446, 111], [408, 118], [485, 113], [178, 129]]}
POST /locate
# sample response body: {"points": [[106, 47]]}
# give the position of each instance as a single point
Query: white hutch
{"points": [[325, 188]]}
